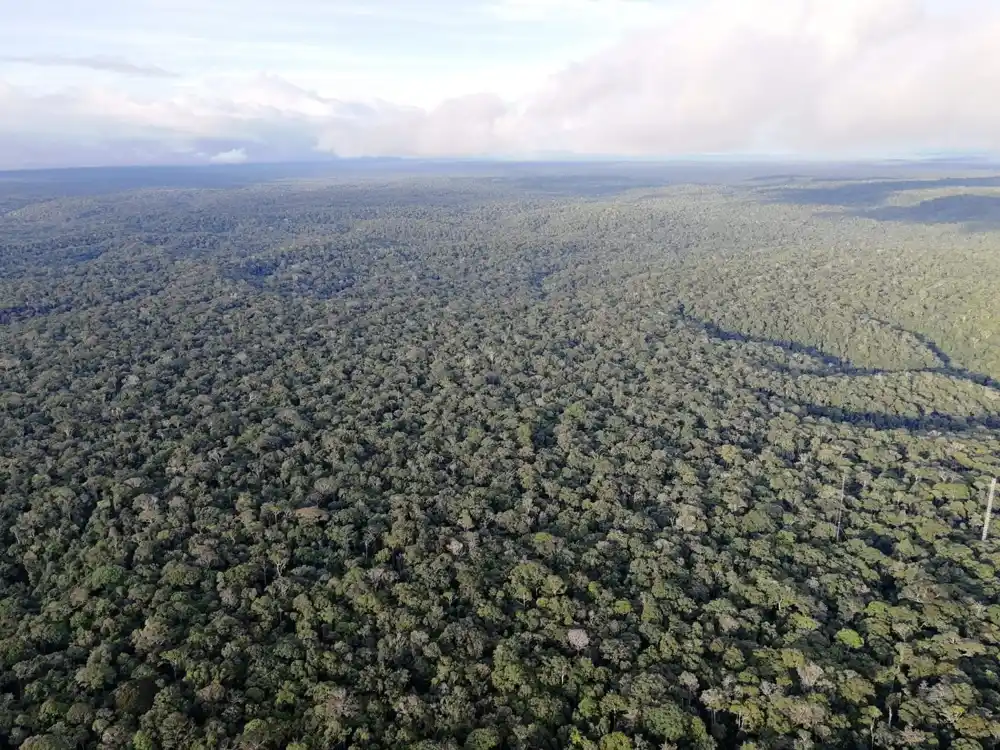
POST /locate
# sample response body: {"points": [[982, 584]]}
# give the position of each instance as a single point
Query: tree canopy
{"points": [[459, 462]]}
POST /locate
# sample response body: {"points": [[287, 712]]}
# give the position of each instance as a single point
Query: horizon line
{"points": [[566, 159]]}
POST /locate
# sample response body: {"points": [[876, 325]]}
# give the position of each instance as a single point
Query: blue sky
{"points": [[416, 52], [188, 81]]}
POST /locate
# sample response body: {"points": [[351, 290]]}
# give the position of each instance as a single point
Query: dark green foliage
{"points": [[443, 463]]}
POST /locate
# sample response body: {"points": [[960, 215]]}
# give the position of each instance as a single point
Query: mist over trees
{"points": [[499, 461]]}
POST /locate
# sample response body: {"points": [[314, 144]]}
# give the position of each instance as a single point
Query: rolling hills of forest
{"points": [[537, 457]]}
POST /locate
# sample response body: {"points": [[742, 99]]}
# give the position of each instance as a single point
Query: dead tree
{"points": [[989, 509]]}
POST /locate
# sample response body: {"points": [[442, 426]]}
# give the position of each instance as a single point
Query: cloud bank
{"points": [[232, 156], [855, 77]]}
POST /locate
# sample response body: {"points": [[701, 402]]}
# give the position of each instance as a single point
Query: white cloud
{"points": [[232, 156], [617, 13], [806, 76], [91, 62]]}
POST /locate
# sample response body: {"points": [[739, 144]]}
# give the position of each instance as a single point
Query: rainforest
{"points": [[606, 456]]}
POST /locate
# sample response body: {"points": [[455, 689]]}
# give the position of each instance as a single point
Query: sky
{"points": [[107, 82]]}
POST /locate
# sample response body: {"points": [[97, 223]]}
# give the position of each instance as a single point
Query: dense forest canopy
{"points": [[600, 457]]}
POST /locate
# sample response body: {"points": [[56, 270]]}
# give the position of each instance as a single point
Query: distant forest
{"points": [[464, 456]]}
